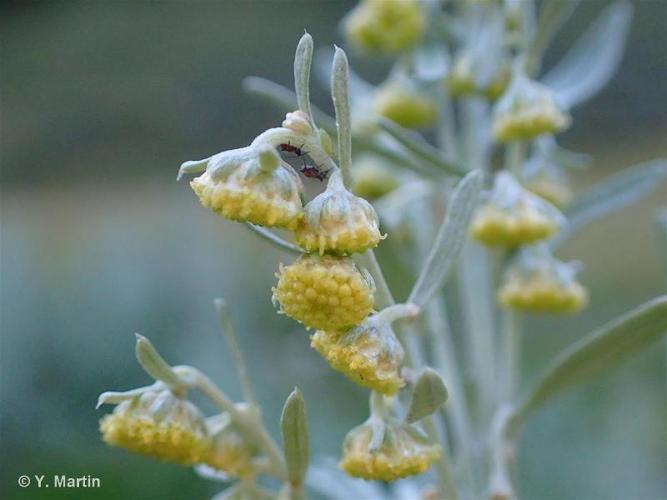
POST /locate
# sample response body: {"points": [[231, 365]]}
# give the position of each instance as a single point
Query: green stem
{"points": [[512, 347], [229, 332], [249, 423], [274, 239]]}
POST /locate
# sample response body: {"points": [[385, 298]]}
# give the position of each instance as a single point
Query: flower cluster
{"points": [[161, 425], [538, 282], [513, 216], [387, 450]]}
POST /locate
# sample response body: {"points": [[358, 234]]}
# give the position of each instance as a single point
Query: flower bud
{"points": [[369, 354], [298, 121], [338, 222], [327, 293], [371, 179], [229, 452], [513, 216], [252, 185], [526, 110], [403, 451], [467, 78], [387, 26], [160, 425], [538, 282], [408, 107]]}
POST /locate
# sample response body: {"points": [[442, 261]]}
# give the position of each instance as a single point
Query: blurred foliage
{"points": [[101, 101]]}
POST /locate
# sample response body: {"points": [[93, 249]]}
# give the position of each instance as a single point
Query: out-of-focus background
{"points": [[101, 101]]}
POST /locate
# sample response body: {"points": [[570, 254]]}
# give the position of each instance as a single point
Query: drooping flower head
{"points": [[386, 26], [513, 216], [538, 282], [338, 222], [371, 179], [324, 292], [160, 425], [229, 452], [526, 110], [386, 451], [369, 354], [251, 184], [400, 101]]}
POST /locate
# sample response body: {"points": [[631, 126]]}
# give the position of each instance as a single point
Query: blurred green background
{"points": [[100, 103]]}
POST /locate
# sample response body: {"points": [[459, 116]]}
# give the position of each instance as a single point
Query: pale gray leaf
{"points": [[612, 194], [597, 351], [428, 395], [591, 62], [449, 240], [294, 428]]}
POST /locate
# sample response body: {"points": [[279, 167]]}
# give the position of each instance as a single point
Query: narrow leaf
{"points": [[614, 193], [154, 364], [553, 15], [294, 429], [341, 100], [429, 394], [591, 62], [449, 240], [302, 62], [601, 349], [419, 147]]}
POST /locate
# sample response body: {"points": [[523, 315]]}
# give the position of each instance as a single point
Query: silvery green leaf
{"points": [[294, 428], [431, 62], [359, 88], [284, 99], [661, 221], [601, 349], [553, 14], [419, 147], [614, 193], [302, 62], [428, 395], [341, 101], [590, 63], [151, 361], [115, 397], [449, 240]]}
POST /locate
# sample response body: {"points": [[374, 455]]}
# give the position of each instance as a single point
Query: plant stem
{"points": [[273, 238], [512, 347], [229, 332]]}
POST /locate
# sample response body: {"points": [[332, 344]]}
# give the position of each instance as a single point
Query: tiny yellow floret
{"points": [[404, 452], [371, 179], [159, 425], [324, 292], [387, 26], [520, 225]]}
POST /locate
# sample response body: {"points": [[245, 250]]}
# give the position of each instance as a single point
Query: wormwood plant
{"points": [[483, 195]]}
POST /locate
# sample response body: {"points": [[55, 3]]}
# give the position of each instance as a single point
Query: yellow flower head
{"points": [[526, 110], [369, 354], [324, 292], [404, 105], [538, 282], [252, 185], [160, 425], [387, 26], [401, 452], [371, 179], [513, 216], [338, 222], [229, 452]]}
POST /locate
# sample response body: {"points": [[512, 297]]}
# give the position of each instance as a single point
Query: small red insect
{"points": [[289, 148], [314, 172]]}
